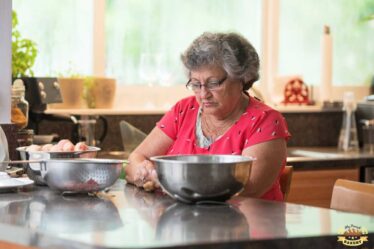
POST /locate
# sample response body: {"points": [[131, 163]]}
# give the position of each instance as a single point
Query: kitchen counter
{"points": [[133, 110], [316, 170], [325, 157], [152, 108], [126, 217], [302, 157]]}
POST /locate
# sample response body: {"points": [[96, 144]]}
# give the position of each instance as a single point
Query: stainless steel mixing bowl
{"points": [[80, 175], [195, 178], [33, 169]]}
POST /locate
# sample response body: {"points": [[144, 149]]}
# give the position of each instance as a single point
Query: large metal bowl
{"points": [[33, 169], [80, 175], [196, 178]]}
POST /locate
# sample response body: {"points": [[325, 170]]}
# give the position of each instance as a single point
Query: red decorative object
{"points": [[296, 92]]}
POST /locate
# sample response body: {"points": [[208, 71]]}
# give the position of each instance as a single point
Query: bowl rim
{"points": [[85, 160], [166, 158], [90, 149]]}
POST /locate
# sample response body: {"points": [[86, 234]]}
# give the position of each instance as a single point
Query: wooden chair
{"points": [[351, 196], [285, 181]]}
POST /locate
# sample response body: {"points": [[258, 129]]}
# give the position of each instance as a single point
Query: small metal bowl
{"points": [[33, 169], [197, 178], [80, 175]]}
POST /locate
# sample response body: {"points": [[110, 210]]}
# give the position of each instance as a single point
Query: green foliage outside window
{"points": [[24, 52]]}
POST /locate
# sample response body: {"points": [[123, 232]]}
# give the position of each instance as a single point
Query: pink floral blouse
{"points": [[259, 123]]}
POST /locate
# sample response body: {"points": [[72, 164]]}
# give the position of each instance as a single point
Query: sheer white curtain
{"points": [[162, 30]]}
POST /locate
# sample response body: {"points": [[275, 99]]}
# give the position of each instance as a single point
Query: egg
{"points": [[68, 146], [55, 148], [80, 146], [62, 142], [33, 147], [46, 147]]}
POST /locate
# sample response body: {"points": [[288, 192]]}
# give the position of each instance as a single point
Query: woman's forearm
{"points": [[135, 159], [140, 170], [266, 168]]}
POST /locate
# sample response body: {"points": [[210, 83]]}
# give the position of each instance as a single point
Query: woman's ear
{"points": [[246, 85]]}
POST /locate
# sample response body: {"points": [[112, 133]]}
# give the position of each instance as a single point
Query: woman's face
{"points": [[220, 101]]}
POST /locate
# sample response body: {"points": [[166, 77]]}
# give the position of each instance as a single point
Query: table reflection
{"points": [[149, 205], [128, 217], [178, 222], [54, 213], [182, 222], [239, 218], [261, 217]]}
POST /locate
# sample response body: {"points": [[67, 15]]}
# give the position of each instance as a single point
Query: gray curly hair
{"points": [[230, 50]]}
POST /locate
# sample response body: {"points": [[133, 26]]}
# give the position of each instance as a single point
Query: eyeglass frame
{"points": [[206, 85]]}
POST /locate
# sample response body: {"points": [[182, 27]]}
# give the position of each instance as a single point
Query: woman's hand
{"points": [[140, 171], [145, 176]]}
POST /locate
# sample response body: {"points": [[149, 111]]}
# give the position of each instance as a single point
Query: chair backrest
{"points": [[285, 181], [351, 196], [131, 136]]}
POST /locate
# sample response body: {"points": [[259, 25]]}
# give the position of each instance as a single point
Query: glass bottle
{"points": [[348, 133], [19, 106], [25, 137], [4, 153]]}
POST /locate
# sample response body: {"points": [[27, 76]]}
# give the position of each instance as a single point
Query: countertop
{"points": [[111, 111], [302, 157], [161, 109], [325, 157], [127, 217]]}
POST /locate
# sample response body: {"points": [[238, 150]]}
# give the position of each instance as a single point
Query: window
{"points": [[301, 27], [144, 39], [63, 33]]}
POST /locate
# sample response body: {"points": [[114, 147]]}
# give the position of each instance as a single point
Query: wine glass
{"points": [[164, 72], [147, 68]]}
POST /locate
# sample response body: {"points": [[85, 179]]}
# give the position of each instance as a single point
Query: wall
{"points": [[307, 128], [6, 59], [6, 73]]}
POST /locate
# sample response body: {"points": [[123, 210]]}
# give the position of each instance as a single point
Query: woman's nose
{"points": [[204, 92]]}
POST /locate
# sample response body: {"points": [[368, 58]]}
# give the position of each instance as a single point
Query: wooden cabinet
{"points": [[314, 187]]}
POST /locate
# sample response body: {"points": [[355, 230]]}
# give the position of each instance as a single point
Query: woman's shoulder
{"points": [[187, 103], [188, 100], [185, 106], [264, 123], [256, 105], [257, 110]]}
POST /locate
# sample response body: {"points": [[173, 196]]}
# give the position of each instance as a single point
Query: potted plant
{"points": [[24, 52], [86, 92], [99, 92], [71, 88]]}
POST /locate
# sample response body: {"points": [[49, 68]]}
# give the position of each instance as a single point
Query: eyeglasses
{"points": [[210, 85]]}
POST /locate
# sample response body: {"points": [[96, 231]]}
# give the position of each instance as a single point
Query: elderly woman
{"points": [[221, 117]]}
